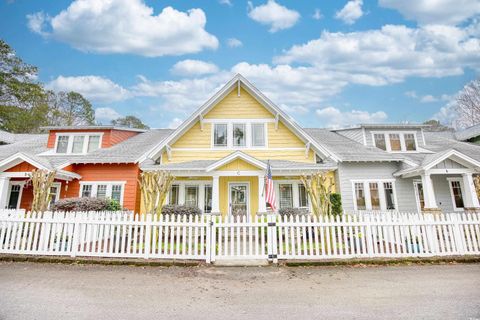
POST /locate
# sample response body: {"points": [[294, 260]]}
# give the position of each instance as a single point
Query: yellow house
{"points": [[219, 155]]}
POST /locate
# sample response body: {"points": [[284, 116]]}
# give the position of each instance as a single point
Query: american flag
{"points": [[269, 189]]}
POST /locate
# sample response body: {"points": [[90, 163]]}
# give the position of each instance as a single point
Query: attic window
{"points": [[74, 143]]}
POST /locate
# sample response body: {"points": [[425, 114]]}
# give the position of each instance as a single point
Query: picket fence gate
{"points": [[212, 238]]}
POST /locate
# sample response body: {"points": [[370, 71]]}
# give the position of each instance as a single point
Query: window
{"points": [[102, 191], [410, 142], [191, 196], [220, 135], [456, 191], [93, 143], [302, 196], [15, 195], [77, 143], [116, 192], [380, 141], [173, 195], [389, 199], [207, 204], [239, 135], [54, 194], [395, 144], [86, 191], [360, 196], [258, 135], [111, 190], [62, 144], [286, 195], [374, 196]]}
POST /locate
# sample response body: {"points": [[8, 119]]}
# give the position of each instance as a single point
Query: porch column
{"points": [[216, 194], [4, 181], [428, 192], [471, 199], [262, 206]]}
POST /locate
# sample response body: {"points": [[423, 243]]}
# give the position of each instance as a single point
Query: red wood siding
{"points": [[110, 137], [21, 167], [109, 172]]}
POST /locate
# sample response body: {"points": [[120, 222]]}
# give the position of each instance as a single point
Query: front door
{"points": [[418, 187], [238, 199]]}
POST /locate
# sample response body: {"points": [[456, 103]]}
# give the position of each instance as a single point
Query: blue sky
{"points": [[327, 63]]}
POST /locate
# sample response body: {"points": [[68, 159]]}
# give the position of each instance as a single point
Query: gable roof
{"points": [[239, 80], [234, 156], [468, 133]]}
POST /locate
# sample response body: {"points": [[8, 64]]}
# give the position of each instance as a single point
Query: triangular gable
{"points": [[237, 156], [239, 82], [455, 156], [19, 158]]}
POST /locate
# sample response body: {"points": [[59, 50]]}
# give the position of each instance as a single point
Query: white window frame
{"points": [[109, 184], [403, 147], [58, 185], [295, 193], [381, 193], [460, 182], [248, 133], [70, 136], [201, 191], [19, 200]]}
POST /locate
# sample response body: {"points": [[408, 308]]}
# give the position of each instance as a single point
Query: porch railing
{"points": [[211, 238]]}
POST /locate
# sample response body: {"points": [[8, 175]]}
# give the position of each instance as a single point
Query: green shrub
{"points": [[86, 204], [336, 200], [292, 211], [180, 210]]}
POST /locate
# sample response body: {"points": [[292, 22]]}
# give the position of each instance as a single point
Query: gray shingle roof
{"points": [[468, 133], [347, 149]]}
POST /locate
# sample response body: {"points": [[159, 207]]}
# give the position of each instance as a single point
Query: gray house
{"points": [[403, 167]]}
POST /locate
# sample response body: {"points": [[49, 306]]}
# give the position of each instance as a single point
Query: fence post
{"points": [[369, 236], [457, 233], [210, 241], [148, 234], [75, 236], [271, 238]]}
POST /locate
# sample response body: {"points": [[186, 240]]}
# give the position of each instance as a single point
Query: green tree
{"points": [[435, 125], [22, 100], [130, 122], [69, 109]]}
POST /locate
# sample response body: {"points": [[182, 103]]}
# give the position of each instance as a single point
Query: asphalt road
{"points": [[51, 291]]}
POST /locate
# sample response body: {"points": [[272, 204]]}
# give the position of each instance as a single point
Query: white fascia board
{"points": [[461, 156], [234, 156], [22, 157]]}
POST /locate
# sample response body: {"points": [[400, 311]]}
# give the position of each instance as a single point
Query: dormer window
{"points": [[235, 135], [395, 141], [76, 143]]}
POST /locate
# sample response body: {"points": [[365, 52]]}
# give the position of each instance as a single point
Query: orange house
{"points": [[90, 161]]}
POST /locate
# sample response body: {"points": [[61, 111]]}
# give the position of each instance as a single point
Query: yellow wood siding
{"points": [[195, 137], [238, 107], [188, 155], [224, 192], [238, 165], [282, 137]]}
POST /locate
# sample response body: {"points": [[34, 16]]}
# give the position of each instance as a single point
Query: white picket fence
{"points": [[211, 238]]}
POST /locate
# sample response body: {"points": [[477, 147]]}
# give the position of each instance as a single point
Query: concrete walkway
{"points": [[55, 291]]}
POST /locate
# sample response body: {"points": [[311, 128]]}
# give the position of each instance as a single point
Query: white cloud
{"points": [[447, 114], [435, 12], [334, 118], [193, 68], [94, 88], [428, 98], [274, 15], [175, 123], [390, 54], [317, 15], [105, 115], [351, 12], [226, 2], [127, 26], [36, 22], [234, 43]]}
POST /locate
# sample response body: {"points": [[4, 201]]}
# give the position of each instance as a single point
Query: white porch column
{"points": [[470, 194], [216, 194], [428, 192], [4, 181], [262, 206]]}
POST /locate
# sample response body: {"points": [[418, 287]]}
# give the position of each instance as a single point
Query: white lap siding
{"points": [[351, 171]]}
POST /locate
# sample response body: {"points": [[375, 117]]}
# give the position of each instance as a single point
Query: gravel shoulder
{"points": [[58, 291]]}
